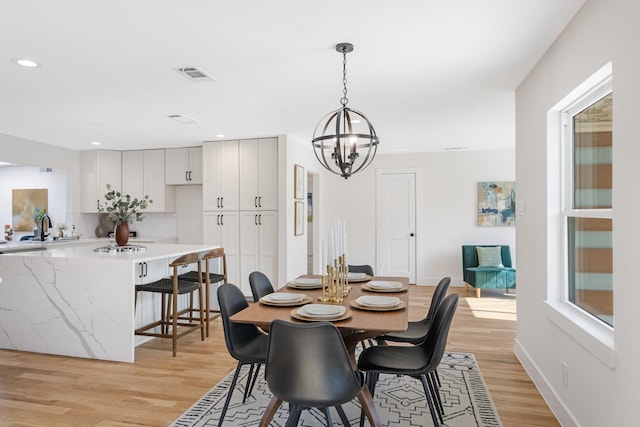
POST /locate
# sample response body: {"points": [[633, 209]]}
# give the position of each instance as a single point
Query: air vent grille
{"points": [[195, 74]]}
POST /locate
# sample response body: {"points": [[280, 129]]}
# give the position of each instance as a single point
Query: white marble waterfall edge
{"points": [[74, 302]]}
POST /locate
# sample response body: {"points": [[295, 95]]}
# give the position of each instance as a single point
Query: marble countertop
{"points": [[84, 248]]}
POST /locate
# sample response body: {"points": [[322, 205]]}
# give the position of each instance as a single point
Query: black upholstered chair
{"points": [[308, 366], [416, 361], [366, 269], [260, 285], [170, 321], [246, 343], [417, 331], [207, 278]]}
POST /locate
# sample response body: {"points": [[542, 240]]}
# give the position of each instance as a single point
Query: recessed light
{"points": [[219, 135], [25, 62], [95, 143]]}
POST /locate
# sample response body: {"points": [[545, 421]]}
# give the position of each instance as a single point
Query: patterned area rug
{"points": [[399, 401]]}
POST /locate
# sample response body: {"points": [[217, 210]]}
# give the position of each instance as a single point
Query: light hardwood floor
{"points": [[42, 390]]}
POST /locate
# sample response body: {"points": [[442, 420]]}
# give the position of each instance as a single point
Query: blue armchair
{"points": [[494, 272]]}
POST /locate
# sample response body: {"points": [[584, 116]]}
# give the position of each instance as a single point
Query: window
{"points": [[588, 203]]}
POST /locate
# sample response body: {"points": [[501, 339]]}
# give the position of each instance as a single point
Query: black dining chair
{"points": [[245, 342], [308, 366], [366, 269], [417, 331], [416, 361], [260, 285]]}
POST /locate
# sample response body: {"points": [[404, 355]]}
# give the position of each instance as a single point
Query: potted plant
{"points": [[37, 215], [122, 208]]}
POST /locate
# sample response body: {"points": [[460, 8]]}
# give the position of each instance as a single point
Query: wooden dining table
{"points": [[361, 325]]}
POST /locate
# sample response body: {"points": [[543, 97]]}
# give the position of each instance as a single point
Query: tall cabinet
{"points": [[240, 191]]}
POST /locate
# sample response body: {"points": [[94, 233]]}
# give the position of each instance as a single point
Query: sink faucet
{"points": [[42, 235]]}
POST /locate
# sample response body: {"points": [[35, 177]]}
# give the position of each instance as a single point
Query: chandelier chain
{"points": [[344, 99]]}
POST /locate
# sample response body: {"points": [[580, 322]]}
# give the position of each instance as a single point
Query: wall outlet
{"points": [[565, 375]]}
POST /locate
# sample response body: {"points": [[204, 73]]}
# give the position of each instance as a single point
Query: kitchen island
{"points": [[71, 300]]}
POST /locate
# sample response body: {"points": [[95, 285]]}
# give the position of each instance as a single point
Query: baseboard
{"points": [[559, 409]]}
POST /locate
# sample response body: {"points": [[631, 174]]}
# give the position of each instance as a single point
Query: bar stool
{"points": [[207, 277], [170, 319]]}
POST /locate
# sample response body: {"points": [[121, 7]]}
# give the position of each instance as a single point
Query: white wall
{"points": [[596, 395], [448, 211]]}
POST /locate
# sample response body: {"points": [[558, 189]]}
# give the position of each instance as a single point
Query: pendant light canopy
{"points": [[345, 141]]}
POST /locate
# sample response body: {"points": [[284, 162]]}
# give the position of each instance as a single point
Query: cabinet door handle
{"points": [[260, 219], [260, 201], [218, 219], [98, 204], [189, 175], [218, 201], [186, 175], [255, 219], [255, 202], [141, 270], [221, 219], [222, 202]]}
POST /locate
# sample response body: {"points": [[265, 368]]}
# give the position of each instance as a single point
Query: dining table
{"points": [[357, 324]]}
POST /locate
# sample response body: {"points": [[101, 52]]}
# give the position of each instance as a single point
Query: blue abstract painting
{"points": [[497, 204]]}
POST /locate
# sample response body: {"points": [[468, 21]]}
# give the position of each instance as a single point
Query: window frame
{"points": [[590, 331]]}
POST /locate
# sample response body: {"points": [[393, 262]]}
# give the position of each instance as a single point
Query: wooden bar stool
{"points": [[207, 277], [170, 320]]}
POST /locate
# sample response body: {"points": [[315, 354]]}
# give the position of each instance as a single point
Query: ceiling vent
{"points": [[195, 74]]}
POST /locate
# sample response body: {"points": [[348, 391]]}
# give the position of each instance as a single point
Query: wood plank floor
{"points": [[42, 390]]}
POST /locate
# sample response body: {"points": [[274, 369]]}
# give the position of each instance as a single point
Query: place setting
{"points": [[358, 277], [285, 299], [306, 283], [321, 312], [378, 303], [385, 286]]}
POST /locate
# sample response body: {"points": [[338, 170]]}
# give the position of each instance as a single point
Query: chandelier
{"points": [[344, 141]]}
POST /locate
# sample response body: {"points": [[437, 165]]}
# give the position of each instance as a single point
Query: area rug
{"points": [[399, 401]]}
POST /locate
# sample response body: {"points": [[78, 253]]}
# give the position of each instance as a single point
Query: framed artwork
{"points": [[497, 204], [298, 182], [299, 216], [23, 203]]}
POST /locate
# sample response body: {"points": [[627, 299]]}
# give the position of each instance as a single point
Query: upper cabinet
{"points": [[183, 165], [143, 174], [97, 169], [220, 189], [259, 174]]}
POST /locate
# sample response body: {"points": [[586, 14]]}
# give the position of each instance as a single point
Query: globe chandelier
{"points": [[344, 141]]}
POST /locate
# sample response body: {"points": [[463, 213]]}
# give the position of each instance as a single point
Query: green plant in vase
{"points": [[37, 215], [122, 209]]}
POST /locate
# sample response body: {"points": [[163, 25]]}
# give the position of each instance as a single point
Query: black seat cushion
{"points": [[192, 276], [165, 286]]}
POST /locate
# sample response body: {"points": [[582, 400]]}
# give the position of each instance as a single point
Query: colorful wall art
{"points": [[497, 204]]}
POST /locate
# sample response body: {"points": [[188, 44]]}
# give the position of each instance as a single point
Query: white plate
{"points": [[357, 276], [322, 310], [381, 284], [374, 301], [283, 297], [308, 281]]}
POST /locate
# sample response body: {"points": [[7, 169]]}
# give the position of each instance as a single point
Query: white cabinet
{"points": [[183, 165], [223, 229], [220, 176], [143, 174], [258, 174], [258, 246], [97, 169]]}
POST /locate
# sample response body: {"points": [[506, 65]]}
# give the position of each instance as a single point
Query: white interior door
{"points": [[396, 206]]}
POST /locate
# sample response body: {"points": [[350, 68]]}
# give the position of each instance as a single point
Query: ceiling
{"points": [[430, 75]]}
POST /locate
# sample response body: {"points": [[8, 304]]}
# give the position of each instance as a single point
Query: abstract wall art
{"points": [[497, 204]]}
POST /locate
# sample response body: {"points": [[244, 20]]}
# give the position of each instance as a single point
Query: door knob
{"points": [[412, 234]]}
